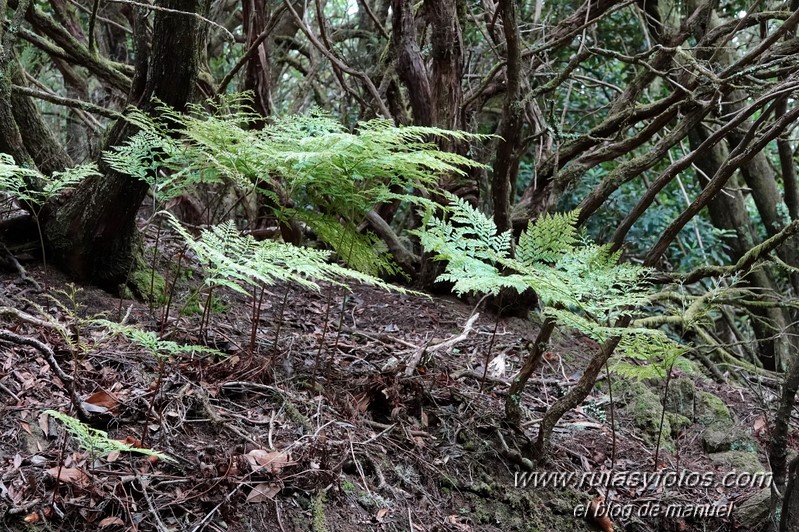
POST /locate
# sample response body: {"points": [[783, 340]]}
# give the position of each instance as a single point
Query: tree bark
{"points": [[410, 64], [93, 233], [257, 78], [506, 165]]}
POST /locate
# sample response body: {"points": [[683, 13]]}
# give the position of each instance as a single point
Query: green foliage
{"points": [[698, 244], [97, 441], [309, 167], [582, 285], [142, 157], [649, 356], [33, 187], [234, 260], [150, 341]]}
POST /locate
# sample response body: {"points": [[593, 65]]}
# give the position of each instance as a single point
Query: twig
{"points": [[338, 62], [9, 392], [20, 270], [385, 427], [33, 320], [143, 481], [53, 363], [416, 357]]}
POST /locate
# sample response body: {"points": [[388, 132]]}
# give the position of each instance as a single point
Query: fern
{"points": [[97, 441], [234, 260], [649, 356], [33, 187], [581, 285], [310, 168], [549, 239], [150, 341]]}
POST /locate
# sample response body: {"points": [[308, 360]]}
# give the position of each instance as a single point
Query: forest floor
{"points": [[325, 429]]}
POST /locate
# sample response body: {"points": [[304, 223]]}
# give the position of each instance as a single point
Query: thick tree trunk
{"points": [[410, 64], [93, 233], [48, 154], [255, 17]]}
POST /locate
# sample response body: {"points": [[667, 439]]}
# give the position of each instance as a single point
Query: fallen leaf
{"points": [[455, 520], [265, 491], [70, 475], [104, 399], [44, 423], [32, 517], [111, 521], [275, 461], [597, 513], [133, 442], [760, 424]]}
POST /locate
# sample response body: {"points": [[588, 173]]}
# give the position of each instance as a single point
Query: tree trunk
{"points": [[506, 165], [728, 212], [256, 17], [93, 233]]}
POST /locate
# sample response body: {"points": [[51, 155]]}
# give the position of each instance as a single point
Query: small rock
{"points": [[752, 514]]}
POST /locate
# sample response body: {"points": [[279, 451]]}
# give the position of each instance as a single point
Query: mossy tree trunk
{"points": [[92, 233]]}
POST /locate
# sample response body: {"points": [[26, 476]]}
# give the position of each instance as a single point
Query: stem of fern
{"points": [[205, 319], [280, 321], [324, 333], [158, 381], [612, 419], [490, 347], [255, 316], [343, 304], [338, 335], [662, 416], [166, 308], [41, 242], [155, 260]]}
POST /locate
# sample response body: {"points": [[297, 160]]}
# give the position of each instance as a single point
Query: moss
{"points": [[680, 397], [710, 409], [677, 422], [318, 511], [526, 509], [738, 461], [193, 306], [144, 283], [347, 487], [720, 437], [644, 409]]}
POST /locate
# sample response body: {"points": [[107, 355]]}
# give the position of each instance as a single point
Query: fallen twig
{"points": [[49, 356], [446, 344]]}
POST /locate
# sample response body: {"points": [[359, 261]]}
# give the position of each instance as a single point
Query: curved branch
{"points": [[338, 62]]}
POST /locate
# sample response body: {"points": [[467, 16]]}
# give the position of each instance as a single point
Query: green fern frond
{"points": [[30, 185], [150, 341], [360, 251], [649, 356], [97, 441], [547, 240]]}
